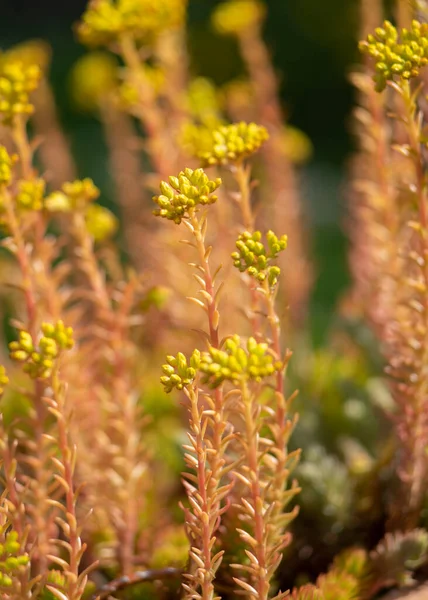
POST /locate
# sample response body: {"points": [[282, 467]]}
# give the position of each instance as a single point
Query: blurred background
{"points": [[313, 45]]}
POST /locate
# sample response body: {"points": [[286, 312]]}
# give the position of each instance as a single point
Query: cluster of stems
{"points": [[389, 256]]}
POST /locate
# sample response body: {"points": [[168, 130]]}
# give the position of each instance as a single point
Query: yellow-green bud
{"points": [[232, 143], [178, 372], [13, 561], [6, 163], [17, 81], [254, 258], [30, 194], [100, 222], [189, 190], [396, 54], [235, 16], [4, 379], [105, 21], [237, 364], [40, 359]]}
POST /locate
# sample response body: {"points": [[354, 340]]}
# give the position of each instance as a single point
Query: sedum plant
{"points": [[114, 484], [238, 378]]}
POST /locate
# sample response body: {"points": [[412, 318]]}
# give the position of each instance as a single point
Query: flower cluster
{"points": [[235, 16], [4, 379], [185, 192], [100, 222], [6, 163], [196, 139], [78, 195], [233, 143], [105, 21], [178, 372], [254, 258], [17, 81], [39, 360], [238, 364], [94, 76], [30, 194], [73, 195], [393, 56], [29, 53], [12, 559]]}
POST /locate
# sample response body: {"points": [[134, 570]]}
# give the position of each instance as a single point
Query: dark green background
{"points": [[313, 43]]}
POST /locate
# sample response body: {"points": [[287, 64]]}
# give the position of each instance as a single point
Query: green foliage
{"points": [[354, 562], [326, 487], [346, 578], [55, 581], [307, 592], [397, 556], [338, 586]]}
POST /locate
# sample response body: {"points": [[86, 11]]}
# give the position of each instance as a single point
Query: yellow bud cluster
{"points": [[28, 53], [39, 359], [235, 16], [100, 222], [17, 81], [4, 379], [12, 559], [30, 194], [6, 163], [93, 77], [81, 190], [184, 193], [73, 195], [397, 55], [238, 364], [233, 143], [254, 258], [105, 21], [197, 139], [178, 372]]}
